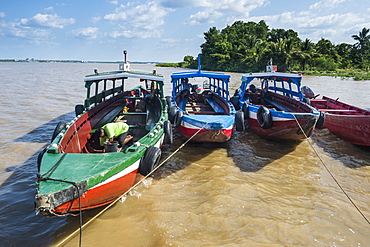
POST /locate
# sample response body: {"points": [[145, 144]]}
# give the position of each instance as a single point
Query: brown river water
{"points": [[247, 192]]}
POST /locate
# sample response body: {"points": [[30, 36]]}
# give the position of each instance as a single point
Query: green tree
{"points": [[362, 38], [305, 53], [361, 48]]}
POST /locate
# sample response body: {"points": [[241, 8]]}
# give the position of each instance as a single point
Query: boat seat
{"points": [[182, 103], [215, 106], [279, 106]]}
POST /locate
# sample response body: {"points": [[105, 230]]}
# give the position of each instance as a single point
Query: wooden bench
{"points": [[277, 105], [215, 106]]}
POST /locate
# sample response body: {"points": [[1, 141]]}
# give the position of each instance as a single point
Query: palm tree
{"points": [[306, 52], [362, 38], [363, 44]]}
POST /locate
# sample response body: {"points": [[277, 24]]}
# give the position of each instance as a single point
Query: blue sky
{"points": [[161, 30]]}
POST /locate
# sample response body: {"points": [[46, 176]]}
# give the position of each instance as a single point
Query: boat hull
{"points": [[284, 126], [99, 195], [351, 128], [207, 128], [348, 122]]}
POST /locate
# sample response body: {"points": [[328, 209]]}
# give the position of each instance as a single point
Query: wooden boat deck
{"points": [[198, 108]]}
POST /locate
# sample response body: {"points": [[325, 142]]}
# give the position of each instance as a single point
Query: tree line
{"points": [[248, 46]]}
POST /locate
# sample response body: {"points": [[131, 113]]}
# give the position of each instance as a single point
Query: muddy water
{"points": [[247, 192]]}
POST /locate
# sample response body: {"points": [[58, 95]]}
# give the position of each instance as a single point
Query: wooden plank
{"points": [[215, 106], [279, 106]]}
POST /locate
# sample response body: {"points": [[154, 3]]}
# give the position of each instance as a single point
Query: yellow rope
{"points": [[133, 187], [336, 181]]}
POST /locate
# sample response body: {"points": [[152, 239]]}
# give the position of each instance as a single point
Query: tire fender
{"points": [[60, 126], [79, 109], [150, 160], [168, 136], [171, 113], [178, 118], [168, 101], [239, 121], [264, 117], [245, 109], [235, 101]]}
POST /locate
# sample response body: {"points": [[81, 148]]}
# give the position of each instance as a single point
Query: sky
{"points": [[159, 30]]}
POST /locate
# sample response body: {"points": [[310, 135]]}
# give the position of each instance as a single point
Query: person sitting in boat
{"points": [[114, 132]]}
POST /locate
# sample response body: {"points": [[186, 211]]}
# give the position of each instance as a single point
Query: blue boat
{"points": [[277, 110], [200, 104]]}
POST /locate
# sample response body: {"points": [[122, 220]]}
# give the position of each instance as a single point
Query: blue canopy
{"points": [[278, 76], [198, 73]]}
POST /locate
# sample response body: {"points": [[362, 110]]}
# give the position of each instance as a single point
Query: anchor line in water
{"points": [[79, 201], [82, 226], [330, 173]]}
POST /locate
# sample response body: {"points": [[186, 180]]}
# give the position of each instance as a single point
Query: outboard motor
{"points": [[307, 92]]}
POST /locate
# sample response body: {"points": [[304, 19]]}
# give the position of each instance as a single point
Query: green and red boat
{"points": [[72, 177]]}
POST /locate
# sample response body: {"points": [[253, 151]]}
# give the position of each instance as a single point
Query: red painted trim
{"points": [[281, 130], [99, 196], [204, 135]]}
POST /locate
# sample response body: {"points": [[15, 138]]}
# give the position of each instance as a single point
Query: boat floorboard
{"points": [[199, 108]]}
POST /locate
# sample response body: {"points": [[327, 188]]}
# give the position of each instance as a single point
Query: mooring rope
{"points": [[78, 196], [128, 191], [330, 173]]}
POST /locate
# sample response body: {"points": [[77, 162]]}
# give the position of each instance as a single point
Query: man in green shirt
{"points": [[113, 131]]}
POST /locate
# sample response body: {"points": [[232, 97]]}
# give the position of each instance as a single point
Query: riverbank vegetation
{"points": [[247, 47]]}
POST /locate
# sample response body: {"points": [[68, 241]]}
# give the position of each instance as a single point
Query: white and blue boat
{"points": [[277, 110], [200, 105]]}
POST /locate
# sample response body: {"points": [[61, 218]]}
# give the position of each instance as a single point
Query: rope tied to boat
{"points": [[82, 226], [48, 174], [330, 173]]}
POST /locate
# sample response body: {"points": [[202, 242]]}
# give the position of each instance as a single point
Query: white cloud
{"points": [[138, 21], [46, 20], [146, 16], [313, 26], [175, 4], [136, 34], [86, 33], [95, 19], [49, 9], [15, 30], [115, 2], [231, 9], [170, 42], [208, 16], [2, 14], [326, 4]]}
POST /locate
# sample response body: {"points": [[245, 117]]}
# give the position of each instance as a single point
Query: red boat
{"points": [[348, 122]]}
